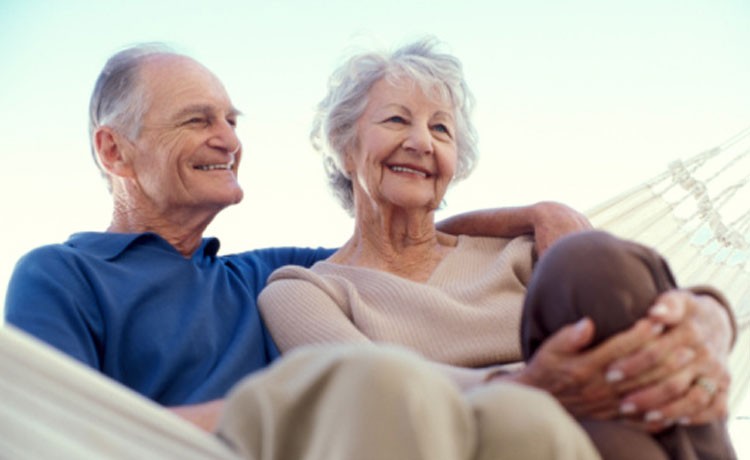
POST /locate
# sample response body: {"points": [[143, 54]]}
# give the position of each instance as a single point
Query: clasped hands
{"points": [[669, 368]]}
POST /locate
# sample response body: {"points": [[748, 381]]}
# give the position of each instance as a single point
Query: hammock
{"points": [[697, 214], [55, 407]]}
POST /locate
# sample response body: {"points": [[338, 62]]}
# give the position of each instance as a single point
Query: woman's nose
{"points": [[419, 140]]}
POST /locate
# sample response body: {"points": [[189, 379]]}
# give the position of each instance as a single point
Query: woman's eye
{"points": [[441, 128], [396, 119]]}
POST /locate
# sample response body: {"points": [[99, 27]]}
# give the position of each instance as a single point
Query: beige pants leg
{"points": [[367, 403], [517, 422], [348, 403]]}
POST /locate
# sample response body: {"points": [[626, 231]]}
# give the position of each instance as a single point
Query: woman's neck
{"points": [[403, 243]]}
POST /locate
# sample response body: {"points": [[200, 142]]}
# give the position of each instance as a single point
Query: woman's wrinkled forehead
{"points": [[433, 88]]}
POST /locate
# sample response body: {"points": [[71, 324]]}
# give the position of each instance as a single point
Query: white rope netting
{"points": [[697, 214]]}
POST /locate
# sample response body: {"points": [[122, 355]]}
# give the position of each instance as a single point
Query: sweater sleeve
{"points": [[299, 308], [302, 308]]}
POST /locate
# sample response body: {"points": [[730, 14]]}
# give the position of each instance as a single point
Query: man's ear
{"points": [[111, 149]]}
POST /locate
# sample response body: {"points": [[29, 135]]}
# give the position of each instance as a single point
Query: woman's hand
{"points": [[668, 368], [578, 378], [681, 376]]}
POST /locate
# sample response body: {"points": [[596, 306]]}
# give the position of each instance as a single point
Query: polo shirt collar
{"points": [[108, 245]]}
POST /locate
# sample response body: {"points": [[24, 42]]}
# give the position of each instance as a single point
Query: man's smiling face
{"points": [[187, 153]]}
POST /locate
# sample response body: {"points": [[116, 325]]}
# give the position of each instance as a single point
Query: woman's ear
{"points": [[111, 151], [348, 164]]}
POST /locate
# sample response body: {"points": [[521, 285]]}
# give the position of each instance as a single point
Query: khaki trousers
{"points": [[361, 402]]}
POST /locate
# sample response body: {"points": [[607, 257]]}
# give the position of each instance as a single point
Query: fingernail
{"points": [[683, 420], [579, 327], [659, 309], [614, 375], [627, 408], [657, 329], [653, 416]]}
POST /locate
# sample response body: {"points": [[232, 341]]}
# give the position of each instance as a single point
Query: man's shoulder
{"points": [[106, 245], [48, 252], [90, 243], [80, 248]]}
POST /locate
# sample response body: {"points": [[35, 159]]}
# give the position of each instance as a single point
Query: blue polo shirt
{"points": [[177, 330]]}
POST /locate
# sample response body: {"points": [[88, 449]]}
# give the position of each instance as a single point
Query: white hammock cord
{"points": [[685, 213]]}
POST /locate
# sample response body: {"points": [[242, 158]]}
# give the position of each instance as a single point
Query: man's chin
{"points": [[237, 198], [240, 194]]}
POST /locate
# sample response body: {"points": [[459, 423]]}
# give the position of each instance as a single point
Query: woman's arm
{"points": [[547, 221], [299, 312]]}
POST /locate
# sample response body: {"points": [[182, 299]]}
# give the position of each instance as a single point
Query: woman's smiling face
{"points": [[405, 154]]}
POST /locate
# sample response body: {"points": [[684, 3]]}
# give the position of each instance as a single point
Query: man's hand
{"points": [[205, 416]]}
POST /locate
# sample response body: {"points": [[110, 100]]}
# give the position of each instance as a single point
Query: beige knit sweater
{"points": [[467, 314]]}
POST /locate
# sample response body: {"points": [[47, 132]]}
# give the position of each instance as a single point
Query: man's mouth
{"points": [[406, 169], [217, 166], [226, 166]]}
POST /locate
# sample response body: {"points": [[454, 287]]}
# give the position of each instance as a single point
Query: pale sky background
{"points": [[578, 100]]}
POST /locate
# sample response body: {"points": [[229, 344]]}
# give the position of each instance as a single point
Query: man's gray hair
{"points": [[118, 99], [334, 126]]}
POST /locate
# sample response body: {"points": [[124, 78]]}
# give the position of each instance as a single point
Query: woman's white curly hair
{"points": [[334, 125]]}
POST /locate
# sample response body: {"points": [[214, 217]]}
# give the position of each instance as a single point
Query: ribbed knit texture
{"points": [[467, 314]]}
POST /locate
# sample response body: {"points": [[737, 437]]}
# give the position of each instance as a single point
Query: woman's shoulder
{"points": [[293, 272], [491, 243]]}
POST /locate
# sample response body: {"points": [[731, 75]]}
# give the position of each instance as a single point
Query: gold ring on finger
{"points": [[707, 384]]}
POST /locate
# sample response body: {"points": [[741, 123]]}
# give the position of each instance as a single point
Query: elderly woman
{"points": [[396, 133]]}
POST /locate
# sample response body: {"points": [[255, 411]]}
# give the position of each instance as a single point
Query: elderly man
{"points": [[149, 303]]}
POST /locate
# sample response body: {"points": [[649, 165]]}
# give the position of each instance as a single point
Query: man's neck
{"points": [[185, 233]]}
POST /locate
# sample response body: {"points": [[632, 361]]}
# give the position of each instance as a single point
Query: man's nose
{"points": [[225, 137]]}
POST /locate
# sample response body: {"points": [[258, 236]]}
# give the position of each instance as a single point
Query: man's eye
{"points": [[232, 122], [196, 121]]}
